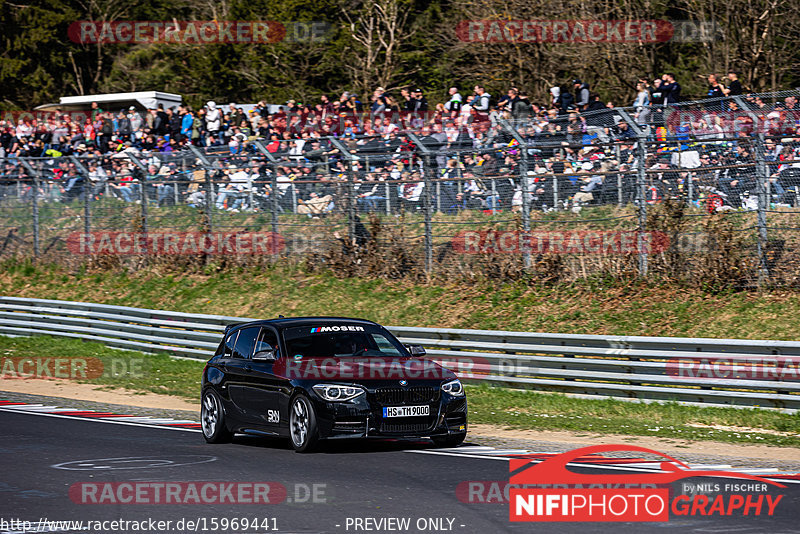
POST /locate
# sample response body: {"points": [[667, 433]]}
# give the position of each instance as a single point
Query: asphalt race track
{"points": [[42, 457]]}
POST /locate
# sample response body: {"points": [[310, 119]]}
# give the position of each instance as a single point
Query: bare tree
{"points": [[377, 29]]}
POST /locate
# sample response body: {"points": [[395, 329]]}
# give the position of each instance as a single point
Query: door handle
{"points": [[248, 368]]}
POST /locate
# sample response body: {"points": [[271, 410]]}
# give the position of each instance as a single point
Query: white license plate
{"points": [[406, 411]]}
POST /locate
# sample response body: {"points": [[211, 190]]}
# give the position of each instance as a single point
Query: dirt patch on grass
{"points": [[744, 429], [92, 392]]}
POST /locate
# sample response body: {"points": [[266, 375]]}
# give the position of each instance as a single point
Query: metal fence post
{"points": [[763, 203], [640, 188], [209, 187], [524, 187], [274, 206], [143, 201], [274, 194], [618, 155], [642, 204], [428, 206], [35, 201], [34, 205], [763, 199], [555, 192], [87, 194], [87, 210], [351, 208], [427, 203], [142, 194]]}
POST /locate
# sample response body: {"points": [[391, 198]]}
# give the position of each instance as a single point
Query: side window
{"points": [[267, 340], [384, 345], [229, 343], [245, 342]]}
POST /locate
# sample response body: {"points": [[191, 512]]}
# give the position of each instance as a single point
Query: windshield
{"points": [[341, 341]]}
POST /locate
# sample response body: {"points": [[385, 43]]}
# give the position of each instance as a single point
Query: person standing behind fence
{"points": [[187, 123], [671, 89], [136, 122], [106, 131], [453, 106], [642, 104], [198, 128], [213, 122], [123, 126]]}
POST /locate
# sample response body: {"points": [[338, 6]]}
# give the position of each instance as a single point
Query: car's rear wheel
{"points": [[449, 441], [303, 424], [212, 419]]}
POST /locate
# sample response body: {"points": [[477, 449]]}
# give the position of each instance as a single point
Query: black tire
{"points": [[212, 418], [449, 441], [303, 431]]}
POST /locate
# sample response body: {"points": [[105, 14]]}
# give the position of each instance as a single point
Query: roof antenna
{"points": [[280, 316]]}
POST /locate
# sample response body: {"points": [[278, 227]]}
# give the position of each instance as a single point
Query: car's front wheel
{"points": [[212, 419], [302, 424]]}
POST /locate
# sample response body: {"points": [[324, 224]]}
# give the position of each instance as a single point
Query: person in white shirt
{"points": [[454, 104]]}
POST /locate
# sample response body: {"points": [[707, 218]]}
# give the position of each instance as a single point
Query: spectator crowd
{"points": [[579, 150]]}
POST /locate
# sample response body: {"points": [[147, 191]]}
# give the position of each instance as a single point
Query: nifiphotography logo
{"points": [[642, 497]]}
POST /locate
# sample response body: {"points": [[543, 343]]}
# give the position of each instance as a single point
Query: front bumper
{"points": [[363, 417]]}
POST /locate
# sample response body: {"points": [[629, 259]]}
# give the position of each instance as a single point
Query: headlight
{"points": [[454, 388], [336, 393]]}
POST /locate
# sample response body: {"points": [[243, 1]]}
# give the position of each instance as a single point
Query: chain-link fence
{"points": [[705, 191]]}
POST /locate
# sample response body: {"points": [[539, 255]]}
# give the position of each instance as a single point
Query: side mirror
{"points": [[264, 356], [416, 350]]}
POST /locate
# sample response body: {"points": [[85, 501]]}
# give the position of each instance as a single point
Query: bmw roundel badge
{"points": [[404, 382]]}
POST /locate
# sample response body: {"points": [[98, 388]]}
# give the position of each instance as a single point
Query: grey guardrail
{"points": [[689, 370]]}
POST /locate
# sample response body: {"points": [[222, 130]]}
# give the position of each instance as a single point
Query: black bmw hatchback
{"points": [[317, 378]]}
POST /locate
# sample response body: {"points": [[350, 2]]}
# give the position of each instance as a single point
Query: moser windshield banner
{"points": [[549, 491]]}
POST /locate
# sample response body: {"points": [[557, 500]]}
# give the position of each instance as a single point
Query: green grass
{"points": [[491, 405], [589, 307], [136, 371], [546, 411]]}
